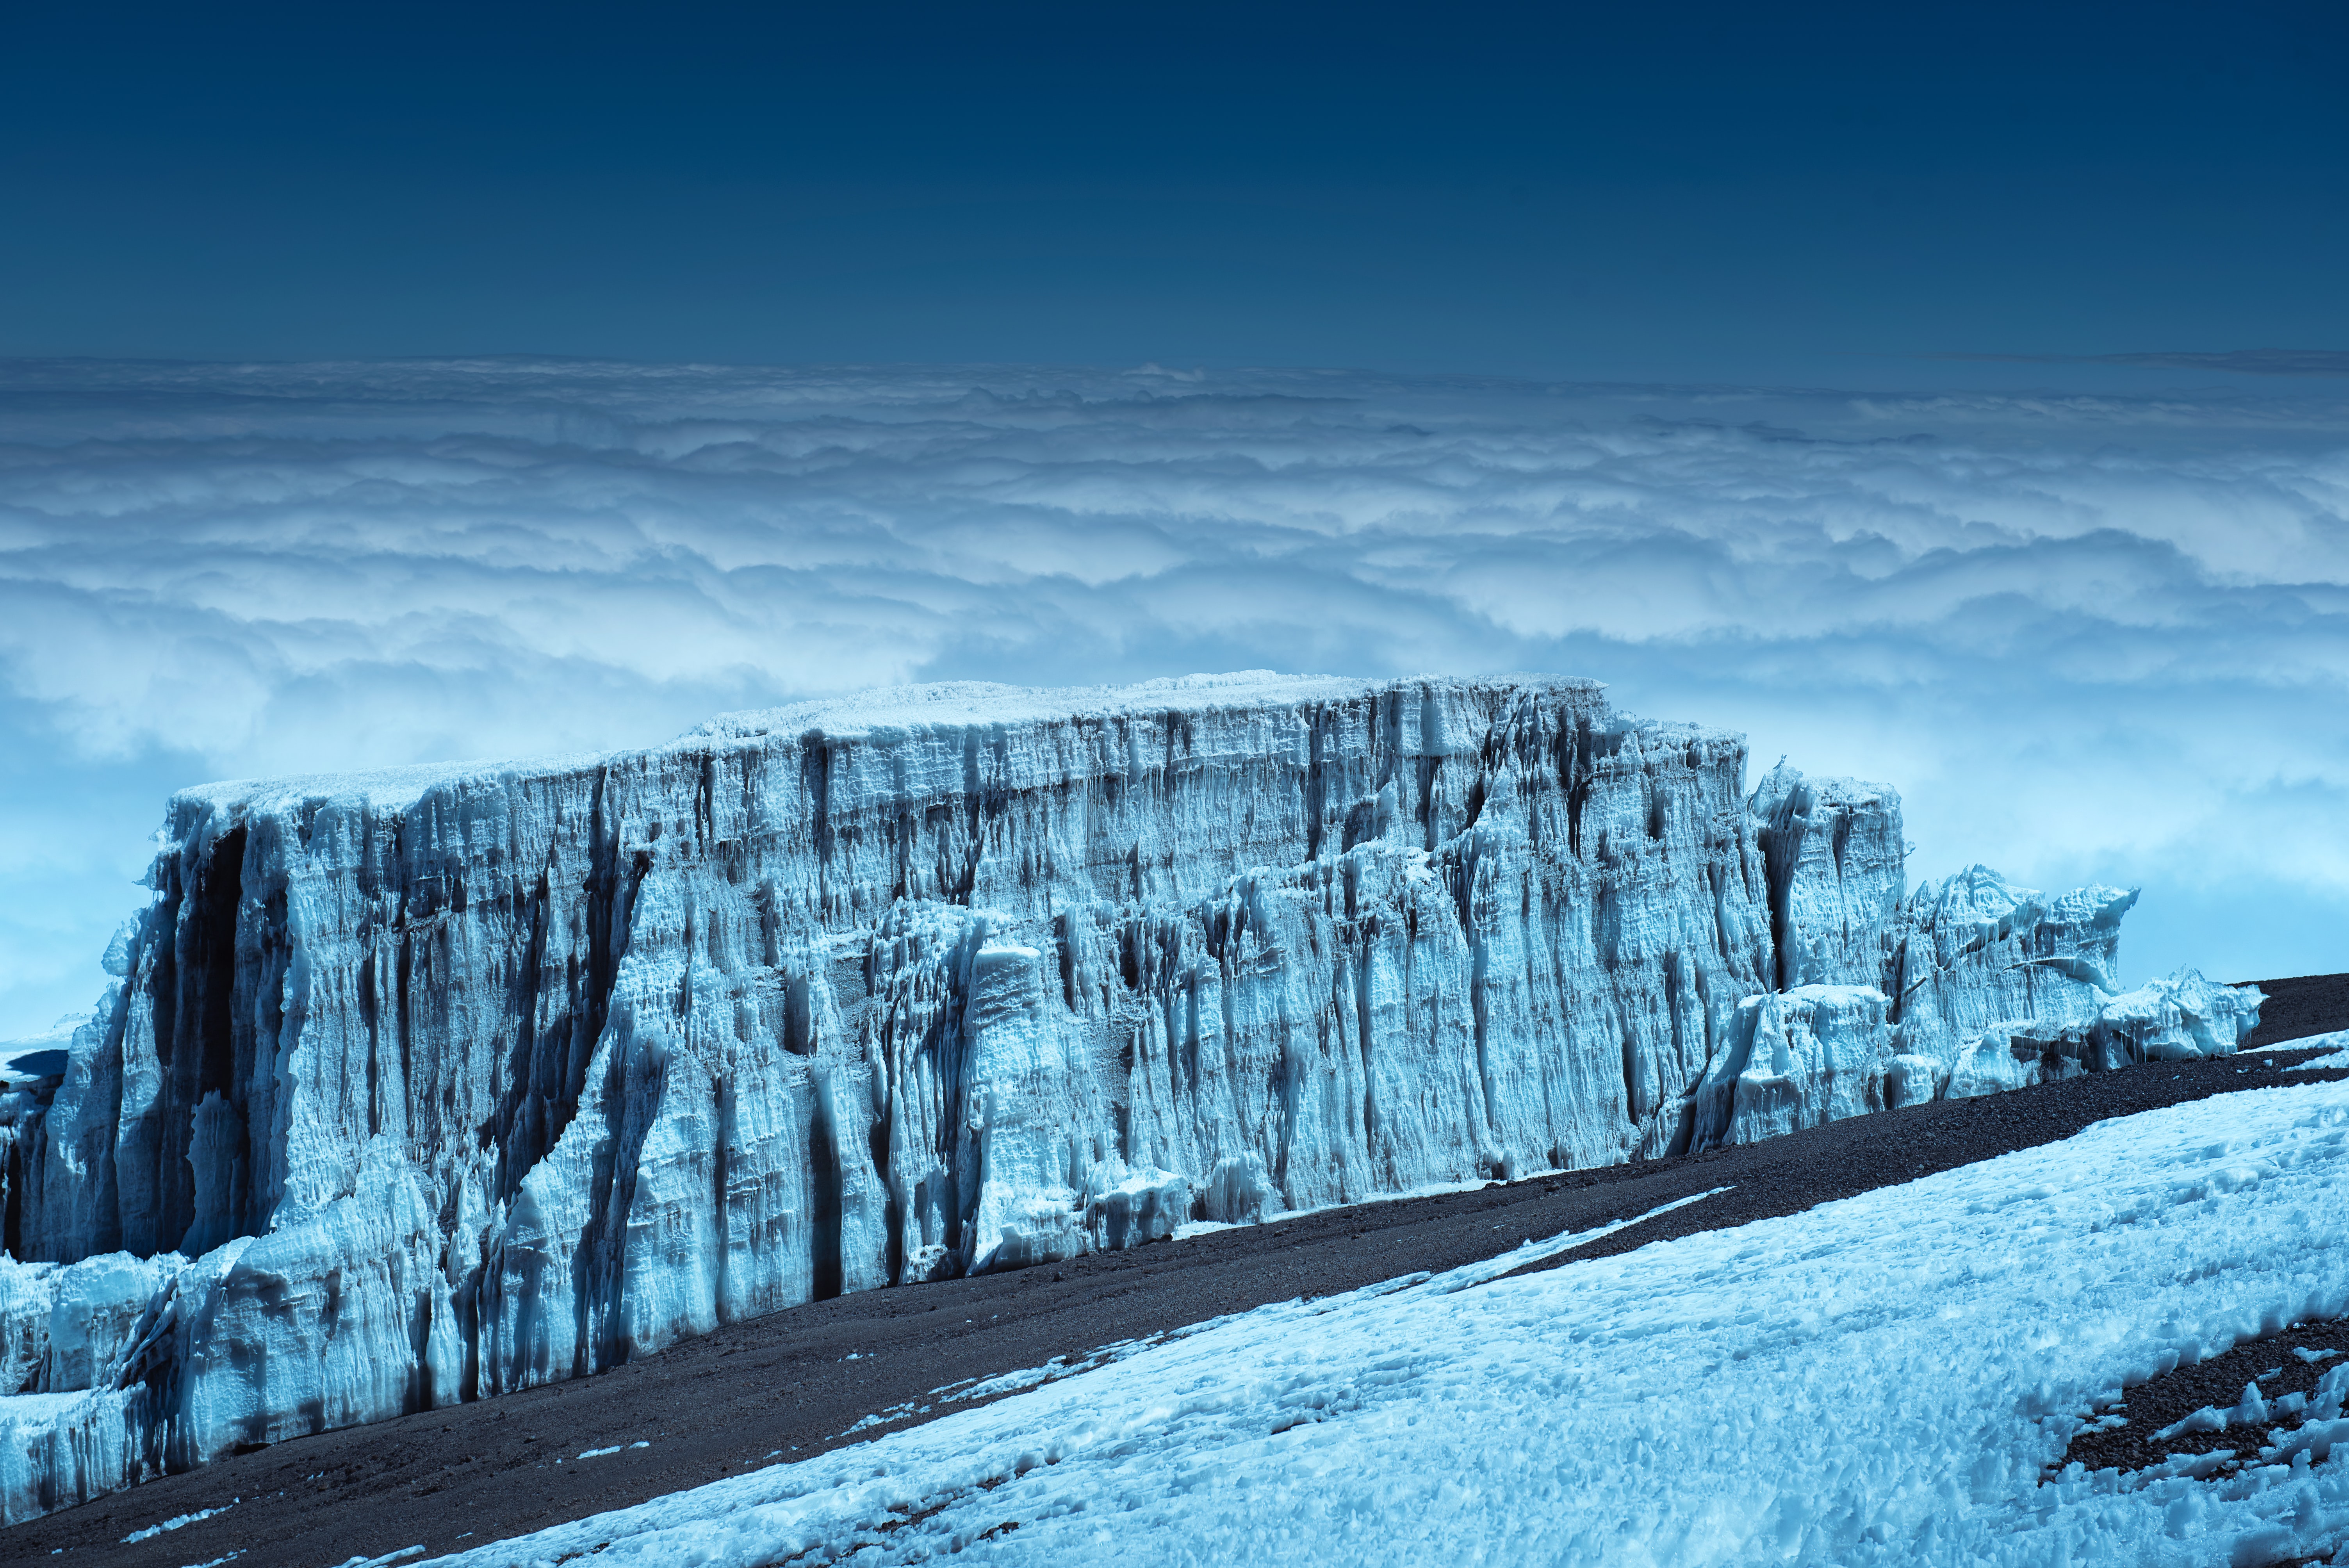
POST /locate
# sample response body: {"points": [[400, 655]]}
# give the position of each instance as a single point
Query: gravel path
{"points": [[792, 1384]]}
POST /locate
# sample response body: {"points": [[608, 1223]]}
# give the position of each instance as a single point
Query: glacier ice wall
{"points": [[1964, 987], [426, 1086], [1836, 869]]}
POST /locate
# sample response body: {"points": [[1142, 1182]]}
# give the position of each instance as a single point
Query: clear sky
{"points": [[1735, 191], [1953, 395]]}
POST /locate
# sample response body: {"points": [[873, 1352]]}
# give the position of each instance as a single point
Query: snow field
{"points": [[1880, 1379]]}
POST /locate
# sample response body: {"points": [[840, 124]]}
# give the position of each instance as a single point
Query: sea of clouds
{"points": [[2087, 636]]}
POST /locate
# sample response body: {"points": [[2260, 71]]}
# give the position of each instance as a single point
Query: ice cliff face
{"points": [[424, 1086], [1965, 986]]}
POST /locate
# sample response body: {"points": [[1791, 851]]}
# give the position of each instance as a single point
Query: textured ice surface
{"points": [[2183, 1018], [1973, 951], [1797, 1059], [427, 1085], [1835, 857], [1879, 1380]]}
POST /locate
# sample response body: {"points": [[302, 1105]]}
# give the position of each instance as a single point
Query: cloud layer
{"points": [[2085, 637]]}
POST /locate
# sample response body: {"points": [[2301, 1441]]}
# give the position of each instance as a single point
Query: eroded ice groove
{"points": [[430, 1084]]}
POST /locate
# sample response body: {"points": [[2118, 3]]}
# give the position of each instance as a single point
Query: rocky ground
{"points": [[2296, 1008], [795, 1384], [2144, 1432]]}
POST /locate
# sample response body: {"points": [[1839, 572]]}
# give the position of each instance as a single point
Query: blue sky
{"points": [[1812, 193], [1954, 397]]}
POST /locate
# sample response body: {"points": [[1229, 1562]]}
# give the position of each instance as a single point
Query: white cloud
{"points": [[2085, 636]]}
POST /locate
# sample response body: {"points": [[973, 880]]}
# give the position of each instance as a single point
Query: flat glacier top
{"points": [[938, 705], [390, 789], [958, 704]]}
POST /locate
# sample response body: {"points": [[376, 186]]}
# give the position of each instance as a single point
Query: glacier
{"points": [[430, 1084]]}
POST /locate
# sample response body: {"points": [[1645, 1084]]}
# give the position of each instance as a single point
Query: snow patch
{"points": [[2334, 1045], [179, 1521]]}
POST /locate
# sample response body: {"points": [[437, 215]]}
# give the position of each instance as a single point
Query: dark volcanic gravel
{"points": [[2297, 1008], [782, 1384], [2154, 1405]]}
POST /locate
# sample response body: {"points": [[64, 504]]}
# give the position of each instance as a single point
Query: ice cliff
{"points": [[423, 1086]]}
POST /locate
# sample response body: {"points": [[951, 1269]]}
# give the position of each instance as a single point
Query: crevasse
{"points": [[427, 1086]]}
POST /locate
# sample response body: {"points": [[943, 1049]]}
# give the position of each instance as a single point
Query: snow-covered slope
{"points": [[1882, 1379], [426, 1086]]}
